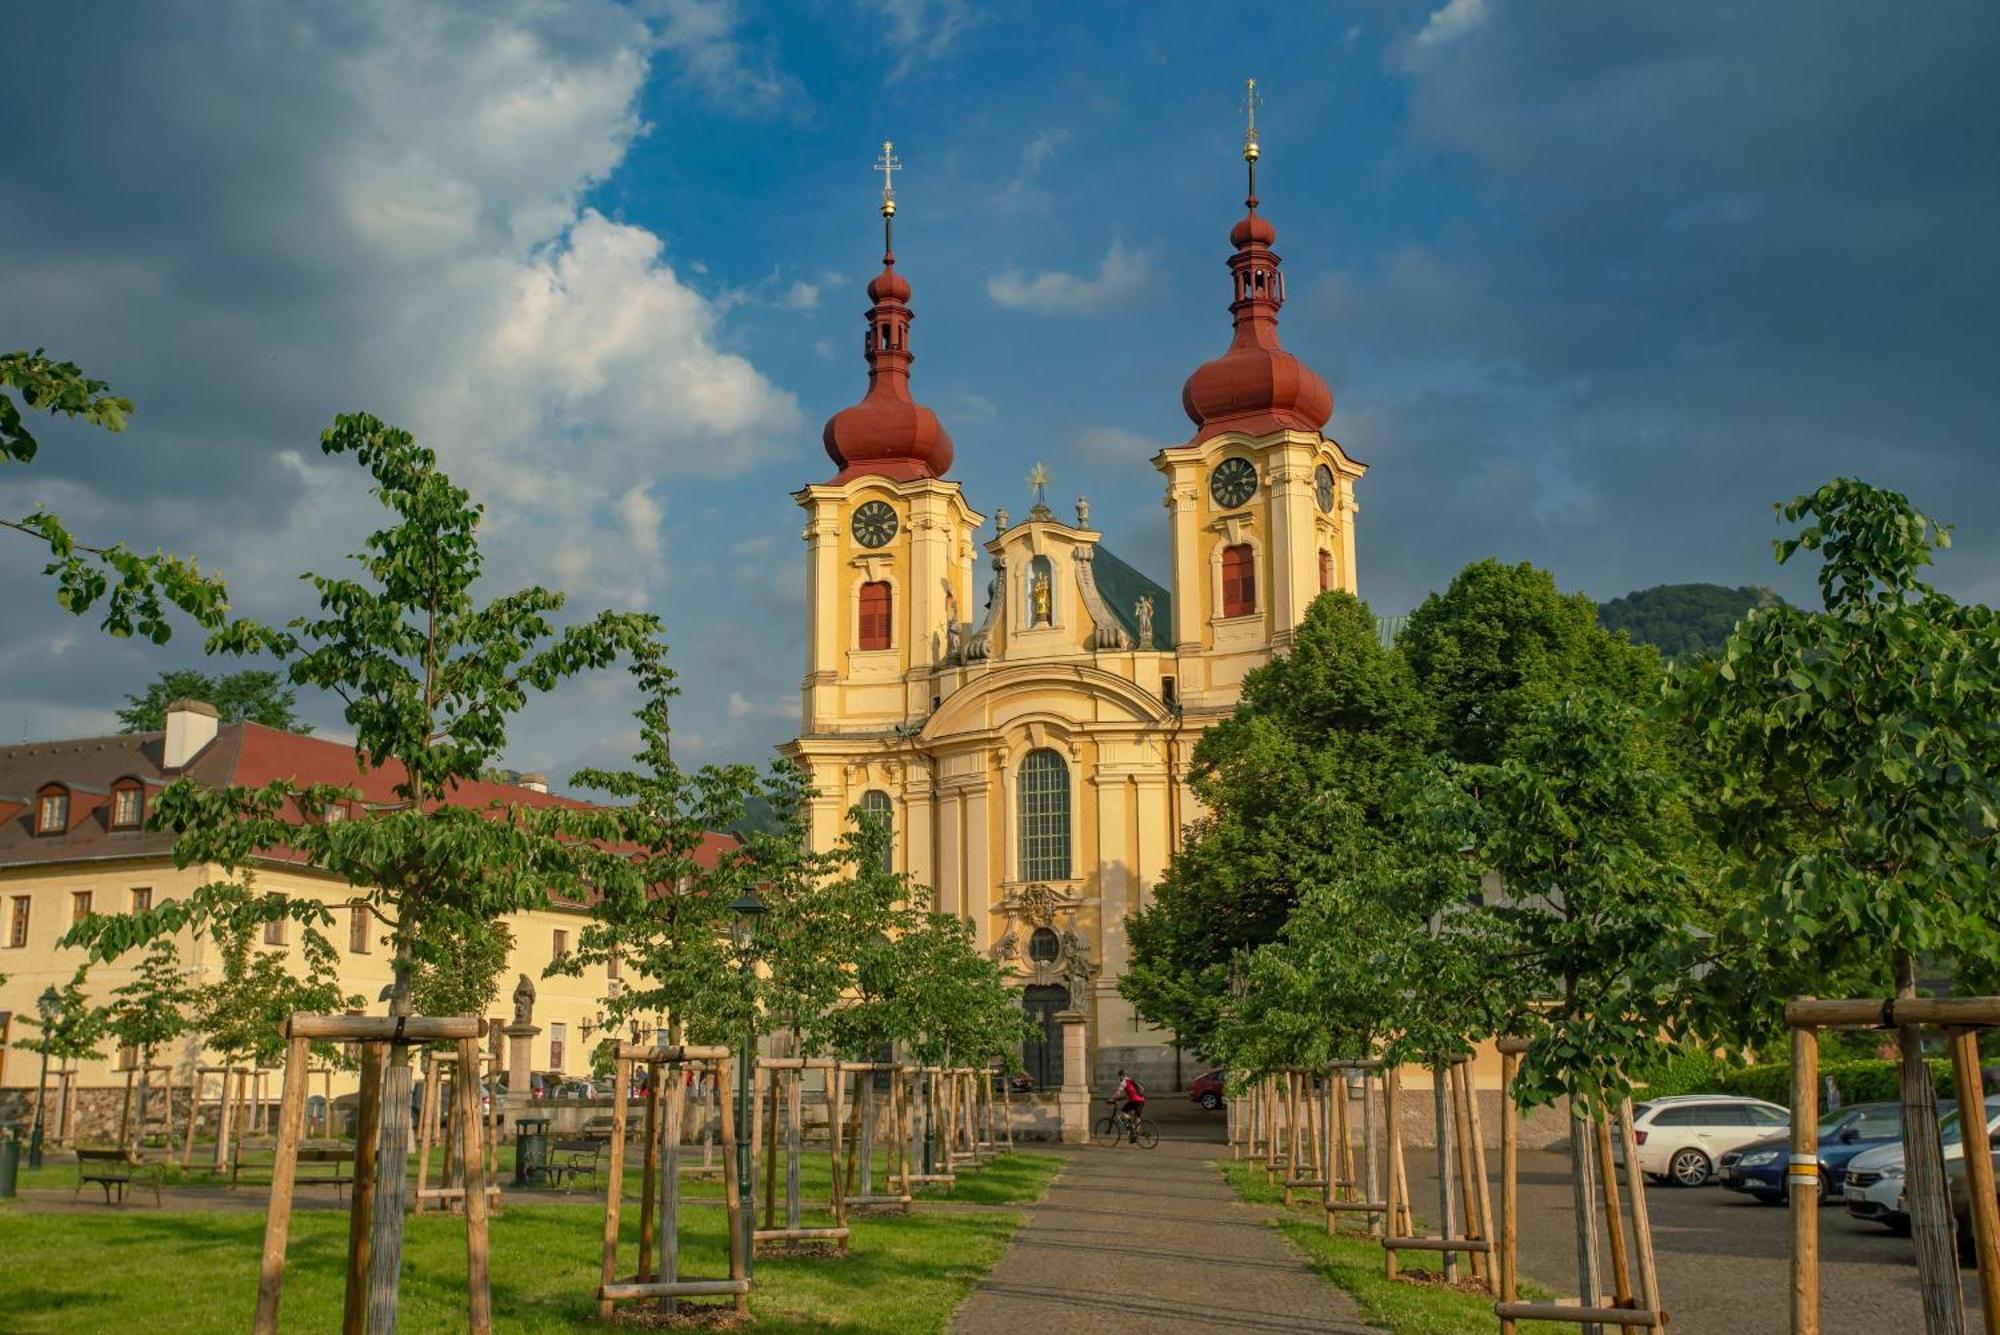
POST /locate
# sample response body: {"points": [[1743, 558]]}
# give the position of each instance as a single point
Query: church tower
{"points": [[889, 552], [1261, 502]]}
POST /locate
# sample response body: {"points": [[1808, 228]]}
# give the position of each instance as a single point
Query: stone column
{"points": [[520, 1072], [1074, 1100]]}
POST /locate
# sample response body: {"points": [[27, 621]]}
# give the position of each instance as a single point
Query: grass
{"points": [[167, 1271], [1353, 1262]]}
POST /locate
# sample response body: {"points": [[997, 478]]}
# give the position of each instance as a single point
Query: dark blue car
{"points": [[1758, 1169]]}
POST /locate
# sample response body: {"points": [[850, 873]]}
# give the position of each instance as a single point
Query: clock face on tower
{"points": [[1323, 488], [1233, 482], [874, 524]]}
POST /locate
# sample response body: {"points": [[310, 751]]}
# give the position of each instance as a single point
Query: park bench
{"points": [[325, 1164], [571, 1159], [115, 1168]]}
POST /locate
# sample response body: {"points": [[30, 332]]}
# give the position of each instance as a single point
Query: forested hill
{"points": [[1681, 619]]}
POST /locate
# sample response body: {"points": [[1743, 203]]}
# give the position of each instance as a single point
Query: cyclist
{"points": [[1132, 1102]]}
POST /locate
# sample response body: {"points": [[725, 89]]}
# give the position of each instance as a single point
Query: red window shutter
{"points": [[875, 607], [1239, 581], [1325, 570]]}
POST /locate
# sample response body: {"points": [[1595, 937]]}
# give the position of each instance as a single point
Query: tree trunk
{"points": [[1923, 1162], [385, 1250]]}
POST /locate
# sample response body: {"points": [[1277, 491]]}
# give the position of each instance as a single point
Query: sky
{"points": [[1593, 285]]}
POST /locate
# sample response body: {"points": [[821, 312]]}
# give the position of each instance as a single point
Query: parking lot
{"points": [[1723, 1258]]}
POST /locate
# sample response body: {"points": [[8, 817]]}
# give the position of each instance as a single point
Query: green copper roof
{"points": [[1122, 586]]}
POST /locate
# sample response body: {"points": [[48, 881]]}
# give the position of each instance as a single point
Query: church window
{"points": [[1044, 817], [876, 803], [1325, 570], [876, 601], [1044, 946], [1239, 580]]}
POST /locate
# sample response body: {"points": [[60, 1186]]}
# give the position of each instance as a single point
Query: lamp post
{"points": [[49, 1007], [746, 908]]}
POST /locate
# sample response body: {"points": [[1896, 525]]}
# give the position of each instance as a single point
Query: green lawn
{"points": [[1353, 1261], [165, 1271]]}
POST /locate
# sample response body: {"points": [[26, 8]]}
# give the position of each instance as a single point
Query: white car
{"points": [[1875, 1180], [1681, 1137]]}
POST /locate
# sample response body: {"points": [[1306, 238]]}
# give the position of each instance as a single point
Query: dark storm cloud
{"points": [[1720, 253]]}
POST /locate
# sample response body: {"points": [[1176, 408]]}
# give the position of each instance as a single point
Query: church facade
{"points": [[1027, 736]]}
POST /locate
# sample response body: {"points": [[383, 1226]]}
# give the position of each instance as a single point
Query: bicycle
{"points": [[1118, 1125]]}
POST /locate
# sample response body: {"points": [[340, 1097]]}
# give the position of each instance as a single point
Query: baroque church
{"points": [[1028, 741]]}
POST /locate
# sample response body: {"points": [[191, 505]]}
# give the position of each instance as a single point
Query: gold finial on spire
{"points": [[1038, 482], [1250, 103], [888, 164]]}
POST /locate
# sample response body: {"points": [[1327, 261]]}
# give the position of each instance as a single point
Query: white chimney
{"points": [[533, 782], [191, 725]]}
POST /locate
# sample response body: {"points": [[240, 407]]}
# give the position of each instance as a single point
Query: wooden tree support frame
{"points": [[375, 1034], [780, 1093], [963, 1112], [865, 1134], [1590, 1142], [668, 1066], [450, 1193], [1305, 1122], [1962, 1019], [1350, 1190], [139, 1079], [924, 1106], [1465, 1226], [227, 1074]]}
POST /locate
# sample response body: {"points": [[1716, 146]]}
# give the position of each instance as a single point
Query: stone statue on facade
{"points": [[1082, 513], [524, 1002], [1077, 970], [954, 634], [1143, 611], [1008, 948]]}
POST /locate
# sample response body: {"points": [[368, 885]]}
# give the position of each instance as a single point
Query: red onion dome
{"points": [[888, 434], [1256, 386]]}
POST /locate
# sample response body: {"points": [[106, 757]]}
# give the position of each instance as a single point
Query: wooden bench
{"points": [[115, 1168], [324, 1165], [571, 1159]]}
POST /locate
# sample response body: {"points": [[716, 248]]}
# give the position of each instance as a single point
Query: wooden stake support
{"points": [[783, 1080], [376, 1034], [867, 1132], [1351, 1189], [668, 1066], [440, 1068], [1464, 1228]]}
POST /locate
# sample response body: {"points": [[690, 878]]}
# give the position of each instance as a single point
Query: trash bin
{"points": [[10, 1160], [531, 1148]]}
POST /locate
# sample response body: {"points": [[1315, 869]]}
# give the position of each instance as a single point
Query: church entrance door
{"points": [[1042, 1055]]}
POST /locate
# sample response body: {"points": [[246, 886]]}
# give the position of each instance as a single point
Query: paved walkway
{"points": [[1137, 1240]]}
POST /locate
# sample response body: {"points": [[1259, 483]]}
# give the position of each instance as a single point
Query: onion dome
{"points": [[888, 434], [1256, 386]]}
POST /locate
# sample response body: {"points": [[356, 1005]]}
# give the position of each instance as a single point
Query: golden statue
{"points": [[1039, 592]]}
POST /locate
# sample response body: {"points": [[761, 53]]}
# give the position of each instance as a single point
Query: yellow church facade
{"points": [[1026, 724]]}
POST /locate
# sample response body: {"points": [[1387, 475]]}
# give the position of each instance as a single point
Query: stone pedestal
{"points": [[1074, 1101], [520, 1072]]}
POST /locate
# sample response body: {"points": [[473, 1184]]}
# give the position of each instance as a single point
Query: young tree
{"points": [[136, 589], [429, 677], [152, 1009], [459, 963], [242, 1013], [1856, 773], [79, 1026], [253, 694]]}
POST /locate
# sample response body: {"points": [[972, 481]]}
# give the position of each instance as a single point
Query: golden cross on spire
{"points": [[1251, 101], [1038, 482], [888, 164]]}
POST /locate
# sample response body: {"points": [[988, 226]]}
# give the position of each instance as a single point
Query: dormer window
{"points": [[52, 811], [336, 813], [128, 807]]}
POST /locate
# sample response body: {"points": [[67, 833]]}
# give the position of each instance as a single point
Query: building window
{"points": [[876, 803], [611, 968], [1325, 570], [1044, 945], [52, 813], [876, 604], [142, 899], [336, 813], [274, 930], [1044, 817], [1239, 580], [357, 929], [558, 1035], [128, 807], [17, 923], [559, 946], [79, 905]]}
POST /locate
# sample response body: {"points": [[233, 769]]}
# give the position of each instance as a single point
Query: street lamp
{"points": [[746, 909], [49, 1007]]}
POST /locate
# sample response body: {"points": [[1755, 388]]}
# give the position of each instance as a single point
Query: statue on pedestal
{"points": [[524, 1002]]}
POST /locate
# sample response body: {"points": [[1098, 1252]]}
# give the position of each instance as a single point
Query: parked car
{"points": [[1758, 1169], [1207, 1089], [1018, 1083], [1875, 1180], [1681, 1137]]}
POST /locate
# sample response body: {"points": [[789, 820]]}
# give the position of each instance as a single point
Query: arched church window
{"points": [[1239, 580], [1043, 796], [1044, 946], [876, 803], [877, 601]]}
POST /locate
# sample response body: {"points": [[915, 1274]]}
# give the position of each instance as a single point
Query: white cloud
{"points": [[802, 296], [1124, 279], [705, 37], [785, 707], [1453, 20], [924, 30], [1020, 193], [1117, 444]]}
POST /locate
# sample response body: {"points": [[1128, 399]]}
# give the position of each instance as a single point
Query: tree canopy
{"points": [[252, 694], [1681, 620]]}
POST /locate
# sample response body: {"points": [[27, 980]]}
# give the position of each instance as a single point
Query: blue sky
{"points": [[1593, 285]]}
